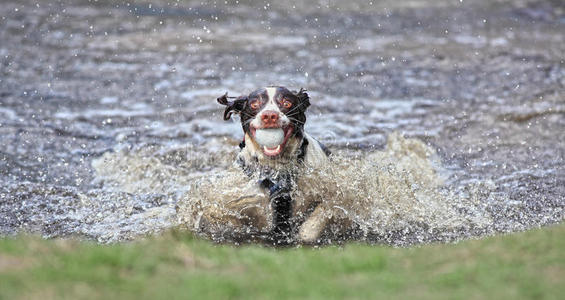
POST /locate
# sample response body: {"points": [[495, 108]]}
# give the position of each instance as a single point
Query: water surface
{"points": [[109, 125]]}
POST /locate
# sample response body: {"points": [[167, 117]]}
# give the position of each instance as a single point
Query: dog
{"points": [[273, 152]]}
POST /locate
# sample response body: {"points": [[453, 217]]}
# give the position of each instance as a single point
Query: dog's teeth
{"points": [[272, 150]]}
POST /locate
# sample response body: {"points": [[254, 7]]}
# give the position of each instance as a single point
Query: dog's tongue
{"points": [[270, 138], [272, 151]]}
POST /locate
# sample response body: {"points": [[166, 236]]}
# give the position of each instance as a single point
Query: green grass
{"points": [[178, 266]]}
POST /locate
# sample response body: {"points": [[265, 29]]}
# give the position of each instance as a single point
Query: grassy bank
{"points": [[177, 265]]}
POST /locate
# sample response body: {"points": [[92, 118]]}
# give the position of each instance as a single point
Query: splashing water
{"points": [[395, 196]]}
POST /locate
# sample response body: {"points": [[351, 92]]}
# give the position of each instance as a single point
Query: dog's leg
{"points": [[312, 228], [282, 212], [281, 204]]}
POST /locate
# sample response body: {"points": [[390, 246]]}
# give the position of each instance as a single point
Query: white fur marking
{"points": [[315, 155], [271, 105]]}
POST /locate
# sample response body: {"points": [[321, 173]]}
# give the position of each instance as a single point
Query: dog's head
{"points": [[270, 116]]}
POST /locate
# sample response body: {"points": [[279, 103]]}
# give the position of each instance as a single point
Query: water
{"points": [[446, 118]]}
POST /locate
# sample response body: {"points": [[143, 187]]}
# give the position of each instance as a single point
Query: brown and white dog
{"points": [[274, 149]]}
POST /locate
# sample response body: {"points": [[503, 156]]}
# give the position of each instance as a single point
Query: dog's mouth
{"points": [[272, 140]]}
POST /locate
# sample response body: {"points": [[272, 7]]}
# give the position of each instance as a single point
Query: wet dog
{"points": [[274, 151]]}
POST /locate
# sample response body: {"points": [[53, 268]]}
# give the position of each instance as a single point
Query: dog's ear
{"points": [[235, 106], [304, 98]]}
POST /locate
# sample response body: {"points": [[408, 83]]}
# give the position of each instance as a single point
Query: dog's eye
{"points": [[286, 104], [254, 104]]}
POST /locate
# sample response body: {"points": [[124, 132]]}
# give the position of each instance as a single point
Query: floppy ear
{"points": [[304, 98], [235, 106]]}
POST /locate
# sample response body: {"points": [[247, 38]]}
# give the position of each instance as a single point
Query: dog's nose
{"points": [[270, 118]]}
